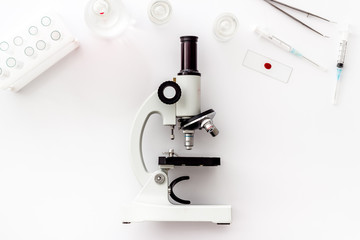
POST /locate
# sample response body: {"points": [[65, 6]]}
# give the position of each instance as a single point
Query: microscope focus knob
{"points": [[169, 92]]}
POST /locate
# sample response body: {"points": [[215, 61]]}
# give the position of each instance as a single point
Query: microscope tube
{"points": [[189, 79]]}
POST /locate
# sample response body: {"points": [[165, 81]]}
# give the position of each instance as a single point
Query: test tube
{"points": [[29, 51], [18, 41], [33, 30], [4, 46], [45, 21], [3, 73], [55, 35], [41, 45], [13, 63]]}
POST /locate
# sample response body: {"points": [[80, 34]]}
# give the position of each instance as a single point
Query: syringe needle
{"points": [[314, 63], [337, 88], [336, 92]]}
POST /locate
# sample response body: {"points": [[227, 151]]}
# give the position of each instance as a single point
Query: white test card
{"points": [[267, 66]]}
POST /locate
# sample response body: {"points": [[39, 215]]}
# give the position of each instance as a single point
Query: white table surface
{"points": [[290, 159]]}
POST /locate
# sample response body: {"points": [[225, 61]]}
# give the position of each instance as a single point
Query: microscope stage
{"points": [[190, 161]]}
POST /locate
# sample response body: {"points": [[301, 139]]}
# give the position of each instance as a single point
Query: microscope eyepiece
{"points": [[189, 56]]}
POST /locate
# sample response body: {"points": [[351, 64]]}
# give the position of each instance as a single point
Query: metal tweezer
{"points": [[271, 2]]}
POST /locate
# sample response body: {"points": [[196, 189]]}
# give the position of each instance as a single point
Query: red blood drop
{"points": [[267, 65]]}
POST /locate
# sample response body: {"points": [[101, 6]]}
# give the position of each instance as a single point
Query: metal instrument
{"points": [[273, 3]]}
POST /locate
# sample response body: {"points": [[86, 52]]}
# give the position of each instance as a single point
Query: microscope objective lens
{"points": [[189, 139]]}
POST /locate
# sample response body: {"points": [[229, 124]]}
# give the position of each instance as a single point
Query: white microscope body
{"points": [[152, 203]]}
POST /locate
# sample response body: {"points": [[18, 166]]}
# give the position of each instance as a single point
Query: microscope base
{"points": [[152, 204], [139, 212]]}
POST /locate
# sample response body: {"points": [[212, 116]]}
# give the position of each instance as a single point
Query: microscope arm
{"points": [[152, 105]]}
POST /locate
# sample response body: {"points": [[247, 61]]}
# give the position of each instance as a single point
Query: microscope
{"points": [[182, 108]]}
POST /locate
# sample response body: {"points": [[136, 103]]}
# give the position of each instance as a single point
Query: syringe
{"points": [[276, 41], [341, 60]]}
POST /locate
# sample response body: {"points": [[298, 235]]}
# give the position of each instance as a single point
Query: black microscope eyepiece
{"points": [[189, 56]]}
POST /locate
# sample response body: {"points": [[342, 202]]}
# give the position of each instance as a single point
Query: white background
{"points": [[290, 159]]}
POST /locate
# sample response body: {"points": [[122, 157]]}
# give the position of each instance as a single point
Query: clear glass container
{"points": [[225, 26], [159, 11], [106, 18]]}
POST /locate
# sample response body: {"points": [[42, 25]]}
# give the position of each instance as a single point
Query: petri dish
{"points": [[29, 51], [18, 41], [55, 35], [40, 45], [33, 30], [159, 11], [45, 21], [225, 26], [4, 46]]}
